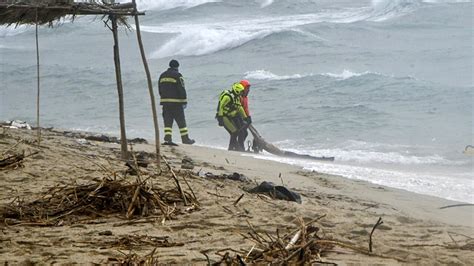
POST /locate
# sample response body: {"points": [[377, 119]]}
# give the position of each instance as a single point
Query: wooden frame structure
{"points": [[42, 12]]}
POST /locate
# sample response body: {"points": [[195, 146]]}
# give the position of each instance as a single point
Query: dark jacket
{"points": [[171, 88]]}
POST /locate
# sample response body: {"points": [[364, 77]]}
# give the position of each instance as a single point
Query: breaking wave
{"points": [[347, 74], [166, 4], [267, 75], [388, 9], [195, 38]]}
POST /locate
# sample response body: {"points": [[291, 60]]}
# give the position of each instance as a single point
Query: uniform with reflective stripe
{"points": [[173, 97], [171, 88]]}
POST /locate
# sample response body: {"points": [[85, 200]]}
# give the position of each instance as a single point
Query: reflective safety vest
{"points": [[229, 105]]}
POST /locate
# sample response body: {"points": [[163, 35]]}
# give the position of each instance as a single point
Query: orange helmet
{"points": [[245, 83]]}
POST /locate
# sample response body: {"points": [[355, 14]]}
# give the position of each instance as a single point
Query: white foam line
{"points": [[427, 184]]}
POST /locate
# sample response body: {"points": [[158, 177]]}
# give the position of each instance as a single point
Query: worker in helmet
{"points": [[231, 115], [244, 101], [174, 101]]}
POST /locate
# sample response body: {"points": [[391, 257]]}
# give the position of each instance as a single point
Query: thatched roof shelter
{"points": [[41, 12], [15, 12]]}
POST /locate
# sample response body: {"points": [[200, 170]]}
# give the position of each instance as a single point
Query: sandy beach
{"points": [[415, 230]]}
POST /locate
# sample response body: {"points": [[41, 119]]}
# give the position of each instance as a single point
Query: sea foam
{"points": [[267, 75], [166, 4]]}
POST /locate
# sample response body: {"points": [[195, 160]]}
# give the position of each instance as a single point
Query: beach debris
{"points": [[102, 138], [457, 205], [138, 141], [276, 192], [16, 124], [82, 142], [133, 258], [178, 185], [14, 160], [379, 222], [106, 233], [237, 201], [187, 163], [234, 176], [133, 241], [260, 144], [138, 160], [302, 246], [67, 203]]}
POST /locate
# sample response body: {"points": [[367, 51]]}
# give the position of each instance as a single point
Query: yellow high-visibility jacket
{"points": [[229, 105]]}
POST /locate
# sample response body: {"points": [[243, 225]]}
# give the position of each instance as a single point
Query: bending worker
{"points": [[231, 115], [174, 101], [244, 101]]}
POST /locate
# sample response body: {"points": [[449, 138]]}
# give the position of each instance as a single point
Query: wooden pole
{"points": [[150, 87], [118, 74], [38, 128]]}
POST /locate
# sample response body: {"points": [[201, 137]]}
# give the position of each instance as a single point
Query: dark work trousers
{"points": [[242, 136], [172, 112], [234, 126]]}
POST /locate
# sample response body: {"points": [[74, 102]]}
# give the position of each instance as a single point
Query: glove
{"points": [[248, 120], [184, 106], [220, 120]]}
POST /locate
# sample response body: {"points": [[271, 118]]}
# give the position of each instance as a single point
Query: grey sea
{"points": [[386, 87]]}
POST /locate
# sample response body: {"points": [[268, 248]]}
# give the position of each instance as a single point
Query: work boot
{"points": [[168, 141], [186, 140]]}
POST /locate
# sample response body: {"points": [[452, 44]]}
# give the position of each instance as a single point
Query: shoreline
{"points": [[201, 152], [351, 208], [359, 176], [418, 205]]}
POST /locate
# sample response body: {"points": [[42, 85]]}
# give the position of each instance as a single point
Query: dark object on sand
{"points": [[102, 137], [11, 160], [277, 192], [187, 163], [138, 141], [234, 176], [260, 143]]}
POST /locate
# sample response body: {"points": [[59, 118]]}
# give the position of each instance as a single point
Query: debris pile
{"points": [[11, 161], [62, 204], [302, 246]]}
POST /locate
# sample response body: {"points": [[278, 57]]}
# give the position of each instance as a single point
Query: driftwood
{"points": [[14, 160], [302, 246], [134, 259], [102, 198], [11, 160], [262, 144], [379, 222]]}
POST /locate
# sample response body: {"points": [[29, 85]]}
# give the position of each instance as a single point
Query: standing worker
{"points": [[244, 101], [174, 101], [231, 115]]}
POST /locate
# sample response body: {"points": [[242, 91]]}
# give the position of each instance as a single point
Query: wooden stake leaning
{"points": [[38, 128], [176, 180], [150, 87]]}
